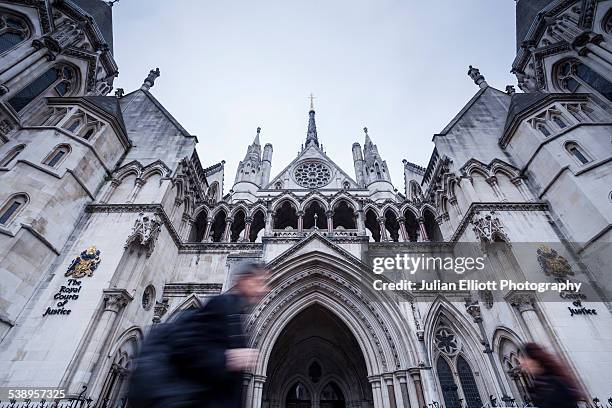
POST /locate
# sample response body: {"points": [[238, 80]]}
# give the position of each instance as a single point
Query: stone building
{"points": [[110, 223]]}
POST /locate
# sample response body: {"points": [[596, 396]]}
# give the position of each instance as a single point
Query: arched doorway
{"points": [[316, 362]]}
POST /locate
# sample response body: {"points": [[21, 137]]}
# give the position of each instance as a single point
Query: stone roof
{"points": [[110, 105], [526, 12], [101, 12]]}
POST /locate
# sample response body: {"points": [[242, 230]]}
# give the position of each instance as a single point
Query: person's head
{"points": [[537, 361], [250, 280]]}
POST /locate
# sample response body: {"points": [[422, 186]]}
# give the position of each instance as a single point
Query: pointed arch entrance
{"points": [[320, 298], [316, 362]]}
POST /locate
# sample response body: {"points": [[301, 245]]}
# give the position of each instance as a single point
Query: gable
{"points": [[313, 161]]}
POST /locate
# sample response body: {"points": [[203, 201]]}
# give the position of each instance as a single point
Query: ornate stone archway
{"points": [[337, 284]]}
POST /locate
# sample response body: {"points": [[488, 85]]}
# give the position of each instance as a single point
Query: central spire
{"points": [[311, 137]]}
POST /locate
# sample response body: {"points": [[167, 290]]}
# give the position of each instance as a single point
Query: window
{"points": [[559, 122], [74, 125], [89, 133], [12, 207], [13, 31], [573, 74], [544, 130], [11, 155], [58, 154], [576, 152], [447, 383], [468, 384], [61, 78]]}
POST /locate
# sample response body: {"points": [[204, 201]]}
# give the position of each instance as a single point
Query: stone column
{"points": [[330, 221], [300, 215], [403, 232], [137, 186], [390, 390], [453, 202], [114, 183], [423, 230], [383, 229], [206, 237], [522, 188], [403, 380], [524, 303], [495, 186], [259, 381], [415, 373], [376, 392], [360, 222], [269, 222], [114, 300], [228, 230], [247, 229]]}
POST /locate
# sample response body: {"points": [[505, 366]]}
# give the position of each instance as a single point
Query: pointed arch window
{"points": [[14, 30], [57, 155], [12, 208], [573, 74], [468, 383], [559, 121], [543, 129], [577, 152], [447, 383], [74, 125], [89, 133], [60, 79], [11, 155]]}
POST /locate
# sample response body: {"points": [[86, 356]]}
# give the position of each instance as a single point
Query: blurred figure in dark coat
{"points": [[198, 359], [554, 385]]}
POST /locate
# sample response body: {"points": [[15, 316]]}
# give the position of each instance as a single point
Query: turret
{"points": [[375, 167], [253, 171], [359, 164], [266, 164], [376, 177]]}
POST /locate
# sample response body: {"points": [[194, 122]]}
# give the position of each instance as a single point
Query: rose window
{"points": [[312, 174], [446, 341]]}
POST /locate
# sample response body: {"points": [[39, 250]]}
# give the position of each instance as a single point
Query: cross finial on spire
{"points": [[312, 98]]}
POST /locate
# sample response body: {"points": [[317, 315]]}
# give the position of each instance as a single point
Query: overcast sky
{"points": [[398, 67]]}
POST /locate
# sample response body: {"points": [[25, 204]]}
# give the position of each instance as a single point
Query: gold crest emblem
{"points": [[84, 264], [553, 264]]}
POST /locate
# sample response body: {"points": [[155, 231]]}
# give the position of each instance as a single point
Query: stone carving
{"points": [[473, 309], [553, 264], [487, 228], [150, 79], [145, 232], [84, 264], [160, 310]]}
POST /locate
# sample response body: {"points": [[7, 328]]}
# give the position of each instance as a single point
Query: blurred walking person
{"points": [[554, 385], [198, 359]]}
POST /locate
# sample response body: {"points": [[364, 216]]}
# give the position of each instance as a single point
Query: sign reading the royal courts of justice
{"points": [[83, 265]]}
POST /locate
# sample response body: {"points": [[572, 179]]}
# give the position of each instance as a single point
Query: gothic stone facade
{"points": [[110, 224]]}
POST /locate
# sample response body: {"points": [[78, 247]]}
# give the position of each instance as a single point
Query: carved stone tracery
{"points": [[145, 231]]}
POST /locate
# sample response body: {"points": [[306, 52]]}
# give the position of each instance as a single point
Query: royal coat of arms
{"points": [[553, 264], [84, 264]]}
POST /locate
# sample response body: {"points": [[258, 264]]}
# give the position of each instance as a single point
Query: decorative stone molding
{"points": [[523, 301], [487, 227], [473, 309], [495, 206], [184, 289], [145, 232], [337, 288], [116, 299], [160, 310]]}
